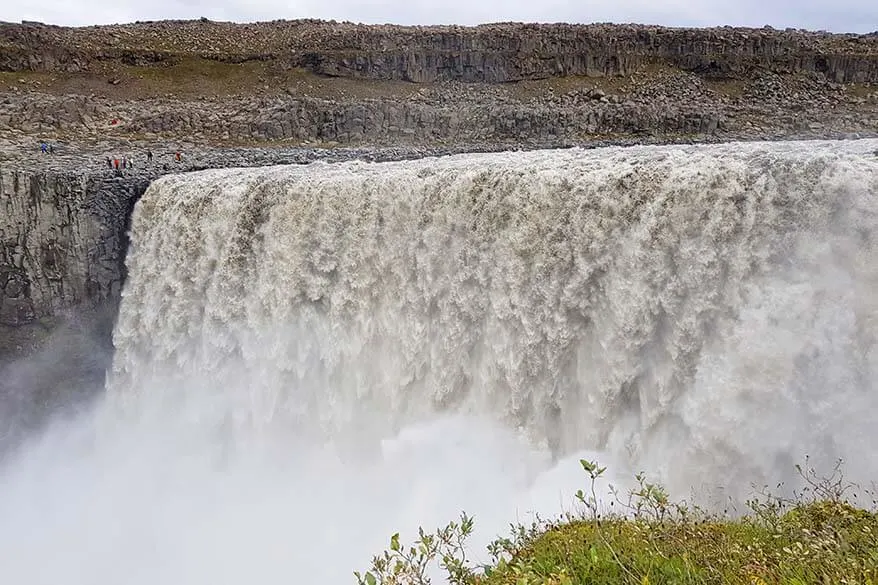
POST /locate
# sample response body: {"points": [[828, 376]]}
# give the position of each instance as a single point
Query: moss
{"points": [[723, 551]]}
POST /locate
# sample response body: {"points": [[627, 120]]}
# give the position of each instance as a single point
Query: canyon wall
{"points": [[300, 120], [493, 53], [62, 241], [514, 52], [62, 251]]}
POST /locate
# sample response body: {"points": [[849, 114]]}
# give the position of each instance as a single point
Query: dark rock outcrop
{"points": [[300, 120], [62, 241], [62, 250], [515, 52]]}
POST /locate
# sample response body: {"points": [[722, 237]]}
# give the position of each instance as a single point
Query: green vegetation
{"points": [[183, 76], [817, 536]]}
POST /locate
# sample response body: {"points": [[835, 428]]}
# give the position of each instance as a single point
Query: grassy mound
{"points": [[817, 536]]}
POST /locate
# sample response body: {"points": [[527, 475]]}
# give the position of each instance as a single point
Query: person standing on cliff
{"points": [[148, 156], [109, 163]]}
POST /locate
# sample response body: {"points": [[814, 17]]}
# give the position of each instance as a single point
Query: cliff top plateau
{"points": [[518, 51], [38, 46]]}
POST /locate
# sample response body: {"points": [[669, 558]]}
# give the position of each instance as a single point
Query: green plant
{"points": [[590, 501], [401, 565], [814, 536]]}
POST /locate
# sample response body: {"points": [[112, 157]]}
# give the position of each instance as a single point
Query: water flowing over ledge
{"points": [[705, 311]]}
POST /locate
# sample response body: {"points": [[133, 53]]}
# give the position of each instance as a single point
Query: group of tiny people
{"points": [[124, 162], [116, 163]]}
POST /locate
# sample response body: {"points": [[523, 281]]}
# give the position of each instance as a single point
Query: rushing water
{"points": [[310, 358]]}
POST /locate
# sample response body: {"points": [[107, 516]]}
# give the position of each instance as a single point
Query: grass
{"points": [[195, 77], [731, 88], [816, 536], [862, 90], [821, 542]]}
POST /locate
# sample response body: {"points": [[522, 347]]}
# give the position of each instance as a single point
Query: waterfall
{"points": [[716, 303], [309, 358]]}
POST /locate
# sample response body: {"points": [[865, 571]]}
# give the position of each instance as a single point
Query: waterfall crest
{"points": [[707, 305]]}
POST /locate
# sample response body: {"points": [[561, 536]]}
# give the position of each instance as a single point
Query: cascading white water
{"points": [[603, 299], [707, 313]]}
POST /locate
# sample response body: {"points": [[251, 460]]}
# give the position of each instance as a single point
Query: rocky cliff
{"points": [[62, 241], [515, 52], [489, 53], [307, 82], [62, 249], [385, 121]]}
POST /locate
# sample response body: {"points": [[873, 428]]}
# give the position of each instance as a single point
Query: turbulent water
{"points": [[309, 358]]}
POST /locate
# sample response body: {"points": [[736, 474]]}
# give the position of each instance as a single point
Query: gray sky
{"points": [[832, 15]]}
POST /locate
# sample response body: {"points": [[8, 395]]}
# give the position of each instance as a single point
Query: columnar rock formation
{"points": [[62, 241], [489, 53], [306, 119]]}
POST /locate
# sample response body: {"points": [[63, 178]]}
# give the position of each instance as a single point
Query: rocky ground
{"points": [[105, 91], [328, 113]]}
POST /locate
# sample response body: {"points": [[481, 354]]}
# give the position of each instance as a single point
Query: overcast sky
{"points": [[833, 15]]}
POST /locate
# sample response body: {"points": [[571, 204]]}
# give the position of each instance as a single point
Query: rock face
{"points": [[301, 120], [489, 53], [514, 52], [62, 242], [62, 250]]}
